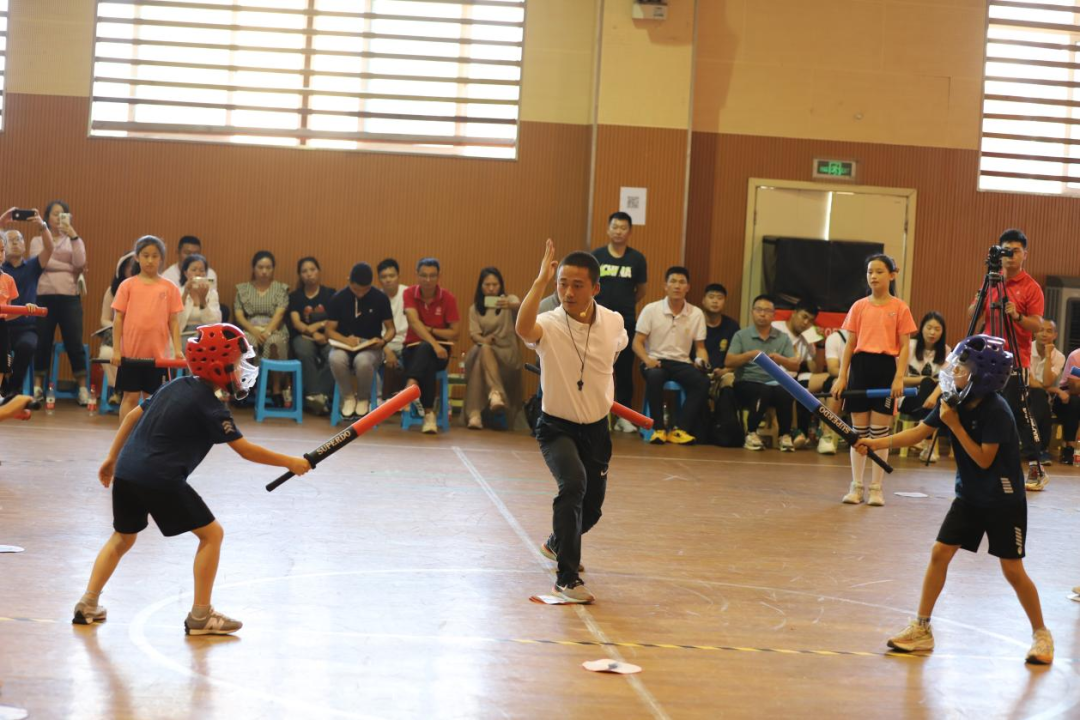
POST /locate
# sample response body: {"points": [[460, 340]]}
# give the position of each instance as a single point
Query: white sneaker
{"points": [[1037, 478], [877, 497], [913, 638], [800, 440], [39, 394], [624, 425], [926, 453], [786, 445], [84, 396], [1042, 649], [854, 496], [363, 407], [826, 445], [753, 442], [348, 406], [430, 426]]}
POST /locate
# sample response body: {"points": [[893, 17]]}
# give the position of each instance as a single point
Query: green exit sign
{"points": [[835, 169]]}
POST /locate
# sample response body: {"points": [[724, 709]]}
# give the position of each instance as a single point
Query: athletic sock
{"points": [[877, 473], [200, 612], [90, 599], [858, 462], [923, 621]]}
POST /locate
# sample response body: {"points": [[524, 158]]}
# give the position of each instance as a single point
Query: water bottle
{"points": [[91, 405], [50, 400]]}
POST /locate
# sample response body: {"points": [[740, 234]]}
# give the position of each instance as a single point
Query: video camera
{"points": [[994, 255]]}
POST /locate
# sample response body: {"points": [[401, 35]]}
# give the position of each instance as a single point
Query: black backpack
{"points": [[726, 428]]}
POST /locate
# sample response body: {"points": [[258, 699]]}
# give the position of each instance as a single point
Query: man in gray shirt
{"points": [[755, 389]]}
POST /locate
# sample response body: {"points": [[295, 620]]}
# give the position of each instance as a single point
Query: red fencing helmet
{"points": [[219, 354]]}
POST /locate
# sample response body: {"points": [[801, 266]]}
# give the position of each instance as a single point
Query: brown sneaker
{"points": [[550, 555], [575, 592]]}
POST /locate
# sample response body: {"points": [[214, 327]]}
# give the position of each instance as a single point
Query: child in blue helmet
{"points": [[989, 485]]}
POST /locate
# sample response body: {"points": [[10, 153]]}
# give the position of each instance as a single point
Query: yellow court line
{"points": [[714, 648]]}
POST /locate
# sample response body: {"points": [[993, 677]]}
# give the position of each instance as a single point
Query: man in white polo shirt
{"points": [[578, 343], [666, 332]]}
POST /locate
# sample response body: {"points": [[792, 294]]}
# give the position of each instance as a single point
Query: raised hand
{"points": [[549, 264]]}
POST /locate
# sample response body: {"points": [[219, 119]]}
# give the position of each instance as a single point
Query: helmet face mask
{"points": [[978, 366], [220, 354], [244, 373]]}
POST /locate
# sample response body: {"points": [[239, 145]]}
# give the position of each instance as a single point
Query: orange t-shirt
{"points": [[8, 291], [879, 327], [147, 308]]}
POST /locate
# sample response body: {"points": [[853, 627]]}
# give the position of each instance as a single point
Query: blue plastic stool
{"points": [[296, 412], [58, 350], [646, 435], [28, 381], [410, 417], [335, 406]]}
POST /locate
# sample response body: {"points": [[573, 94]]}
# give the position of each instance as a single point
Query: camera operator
{"points": [[1024, 310]]}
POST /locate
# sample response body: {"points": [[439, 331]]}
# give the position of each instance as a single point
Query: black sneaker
{"points": [[1066, 455]]}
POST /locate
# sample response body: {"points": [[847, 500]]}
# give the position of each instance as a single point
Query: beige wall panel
{"points": [[646, 68], [842, 34], [721, 27], [934, 40], [560, 45], [50, 46], [753, 99], [873, 107], [965, 113]]}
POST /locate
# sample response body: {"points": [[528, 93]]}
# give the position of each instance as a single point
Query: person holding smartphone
{"points": [[493, 365], [58, 291]]}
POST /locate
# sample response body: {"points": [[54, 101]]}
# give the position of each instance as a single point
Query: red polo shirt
{"points": [[1028, 298], [438, 313]]}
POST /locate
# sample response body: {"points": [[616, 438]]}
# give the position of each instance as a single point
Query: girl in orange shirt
{"points": [[875, 356]]}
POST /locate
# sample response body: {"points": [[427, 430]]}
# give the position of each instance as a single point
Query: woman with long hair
{"points": [[493, 365]]}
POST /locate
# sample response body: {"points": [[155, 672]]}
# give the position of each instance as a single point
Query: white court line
{"points": [[582, 612], [137, 635], [1070, 700]]}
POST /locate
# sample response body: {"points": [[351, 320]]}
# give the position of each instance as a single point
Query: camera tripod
{"points": [[999, 324]]}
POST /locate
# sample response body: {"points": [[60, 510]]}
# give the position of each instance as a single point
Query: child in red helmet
{"points": [[159, 444]]}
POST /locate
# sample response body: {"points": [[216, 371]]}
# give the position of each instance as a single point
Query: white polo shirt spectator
{"points": [[1038, 365], [670, 336]]}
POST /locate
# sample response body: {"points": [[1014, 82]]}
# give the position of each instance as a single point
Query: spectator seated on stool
{"points": [[755, 389], [665, 333]]}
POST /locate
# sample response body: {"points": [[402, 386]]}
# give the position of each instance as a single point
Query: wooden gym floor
{"points": [[393, 582]]}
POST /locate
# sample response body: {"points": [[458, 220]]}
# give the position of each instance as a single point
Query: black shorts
{"points": [[176, 511], [1006, 528], [870, 371], [132, 378]]}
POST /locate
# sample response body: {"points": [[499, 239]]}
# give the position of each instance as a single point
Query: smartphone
{"points": [[23, 215], [65, 217], [491, 301]]}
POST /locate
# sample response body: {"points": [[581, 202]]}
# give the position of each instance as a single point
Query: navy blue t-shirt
{"points": [[718, 338], [362, 317], [26, 278], [180, 423], [991, 421]]}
